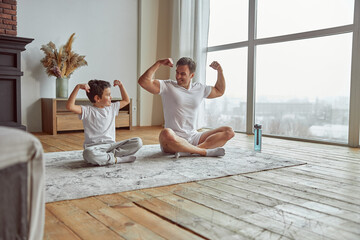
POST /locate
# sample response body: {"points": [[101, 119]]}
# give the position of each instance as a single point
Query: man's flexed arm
{"points": [[70, 104], [147, 81], [219, 89]]}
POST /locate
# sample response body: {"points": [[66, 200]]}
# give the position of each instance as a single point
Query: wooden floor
{"points": [[319, 200]]}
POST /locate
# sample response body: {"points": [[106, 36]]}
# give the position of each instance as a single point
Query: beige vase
{"points": [[62, 87]]}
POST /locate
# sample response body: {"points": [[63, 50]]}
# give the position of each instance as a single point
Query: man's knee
{"points": [[167, 135], [229, 133]]}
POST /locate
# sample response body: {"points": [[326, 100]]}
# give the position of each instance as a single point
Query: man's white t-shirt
{"points": [[181, 106], [99, 123]]}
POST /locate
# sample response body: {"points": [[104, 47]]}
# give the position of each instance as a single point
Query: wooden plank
{"points": [[122, 120], [115, 220], [323, 230], [248, 230], [48, 115], [351, 183], [60, 145], [250, 184], [130, 108], [313, 159], [300, 148], [49, 148], [308, 186], [66, 122], [187, 220], [337, 189], [314, 156], [335, 222], [56, 230], [151, 221], [304, 187], [252, 217], [226, 203], [84, 225], [76, 143], [323, 213], [341, 175], [296, 227], [266, 182]]}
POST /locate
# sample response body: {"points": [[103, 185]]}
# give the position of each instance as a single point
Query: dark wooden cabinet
{"points": [[10, 80]]}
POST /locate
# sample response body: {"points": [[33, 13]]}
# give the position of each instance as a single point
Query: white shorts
{"points": [[194, 139]]}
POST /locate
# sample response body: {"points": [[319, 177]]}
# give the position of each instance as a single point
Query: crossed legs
{"points": [[213, 139], [111, 153], [216, 137]]}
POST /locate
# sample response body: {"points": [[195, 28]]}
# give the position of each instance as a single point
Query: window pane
{"points": [[303, 88], [228, 22], [281, 17], [229, 109]]}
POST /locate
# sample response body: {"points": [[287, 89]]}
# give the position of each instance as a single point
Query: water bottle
{"points": [[257, 138]]}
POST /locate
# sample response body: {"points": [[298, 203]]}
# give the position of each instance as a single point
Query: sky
{"points": [[305, 69]]}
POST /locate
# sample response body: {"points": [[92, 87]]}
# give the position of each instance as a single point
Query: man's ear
{"points": [[192, 75], [97, 98]]}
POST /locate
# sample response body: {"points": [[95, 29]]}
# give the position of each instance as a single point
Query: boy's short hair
{"points": [[187, 61], [97, 87]]}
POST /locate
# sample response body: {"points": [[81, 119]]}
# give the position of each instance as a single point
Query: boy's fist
{"points": [[85, 87], [117, 83]]}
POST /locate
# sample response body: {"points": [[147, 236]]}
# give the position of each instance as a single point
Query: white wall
{"points": [[106, 33], [155, 43]]}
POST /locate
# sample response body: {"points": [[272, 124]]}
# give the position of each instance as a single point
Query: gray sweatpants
{"points": [[104, 154]]}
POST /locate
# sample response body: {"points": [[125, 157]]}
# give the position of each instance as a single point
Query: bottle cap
{"points": [[257, 126]]}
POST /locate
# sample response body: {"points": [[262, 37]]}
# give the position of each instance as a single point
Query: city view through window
{"points": [[302, 87]]}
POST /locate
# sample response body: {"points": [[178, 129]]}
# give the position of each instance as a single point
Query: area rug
{"points": [[68, 176]]}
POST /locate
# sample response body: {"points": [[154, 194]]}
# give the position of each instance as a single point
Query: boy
{"points": [[100, 147]]}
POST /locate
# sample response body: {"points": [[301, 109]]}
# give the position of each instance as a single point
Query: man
{"points": [[181, 101]]}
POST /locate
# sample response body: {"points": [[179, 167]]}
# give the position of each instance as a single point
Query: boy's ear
{"points": [[97, 98]]}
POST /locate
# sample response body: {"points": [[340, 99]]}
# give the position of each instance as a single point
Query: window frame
{"points": [[252, 42]]}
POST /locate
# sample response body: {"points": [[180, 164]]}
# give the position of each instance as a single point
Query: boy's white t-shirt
{"points": [[99, 123], [181, 106]]}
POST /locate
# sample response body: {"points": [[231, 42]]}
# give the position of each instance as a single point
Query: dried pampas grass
{"points": [[61, 63]]}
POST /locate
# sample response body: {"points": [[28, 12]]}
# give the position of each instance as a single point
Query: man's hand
{"points": [[117, 83], [215, 65], [167, 62], [85, 87]]}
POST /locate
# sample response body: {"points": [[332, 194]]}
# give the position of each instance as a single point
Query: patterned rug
{"points": [[68, 176]]}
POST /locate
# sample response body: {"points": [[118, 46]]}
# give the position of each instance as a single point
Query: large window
{"points": [[224, 14], [300, 58], [281, 17], [303, 88], [230, 109]]}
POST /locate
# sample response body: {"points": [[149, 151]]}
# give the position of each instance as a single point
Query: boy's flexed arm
{"points": [[125, 97], [70, 105]]}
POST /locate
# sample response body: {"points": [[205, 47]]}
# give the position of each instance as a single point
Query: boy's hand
{"points": [[117, 83], [85, 87]]}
